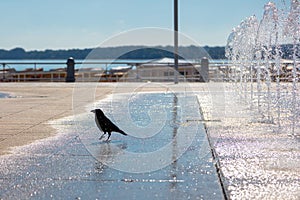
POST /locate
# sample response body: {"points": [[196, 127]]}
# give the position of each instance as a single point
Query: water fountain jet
{"points": [[257, 50]]}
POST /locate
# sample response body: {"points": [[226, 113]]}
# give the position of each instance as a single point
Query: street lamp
{"points": [[176, 41]]}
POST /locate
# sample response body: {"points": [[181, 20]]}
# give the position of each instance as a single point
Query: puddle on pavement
{"points": [[165, 155]]}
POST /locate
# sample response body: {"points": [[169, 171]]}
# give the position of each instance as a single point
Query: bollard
{"points": [[70, 70], [3, 70], [204, 70]]}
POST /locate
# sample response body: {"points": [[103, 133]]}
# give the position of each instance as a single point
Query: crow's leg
{"points": [[109, 134], [102, 136]]}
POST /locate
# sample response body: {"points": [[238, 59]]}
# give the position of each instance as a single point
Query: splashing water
{"points": [[266, 55]]}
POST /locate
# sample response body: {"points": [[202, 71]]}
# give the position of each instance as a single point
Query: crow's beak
{"points": [[93, 111]]}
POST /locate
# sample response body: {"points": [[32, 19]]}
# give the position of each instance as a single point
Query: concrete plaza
{"points": [[249, 160]]}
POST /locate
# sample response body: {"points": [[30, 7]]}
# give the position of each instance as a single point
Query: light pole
{"points": [[176, 41]]}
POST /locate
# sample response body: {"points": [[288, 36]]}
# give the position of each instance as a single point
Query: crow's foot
{"points": [[102, 136]]}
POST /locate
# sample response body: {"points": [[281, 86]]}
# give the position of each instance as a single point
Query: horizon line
{"points": [[83, 48]]}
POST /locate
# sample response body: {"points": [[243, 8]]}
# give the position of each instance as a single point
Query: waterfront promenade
{"points": [[25, 116], [254, 161]]}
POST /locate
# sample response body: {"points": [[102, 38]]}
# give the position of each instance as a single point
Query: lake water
{"points": [[47, 65]]}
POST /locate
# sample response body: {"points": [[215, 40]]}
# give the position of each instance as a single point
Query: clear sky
{"points": [[66, 24]]}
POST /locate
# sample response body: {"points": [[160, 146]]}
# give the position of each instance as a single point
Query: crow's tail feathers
{"points": [[122, 132]]}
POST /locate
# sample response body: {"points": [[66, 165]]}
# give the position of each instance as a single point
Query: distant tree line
{"points": [[134, 52], [122, 52]]}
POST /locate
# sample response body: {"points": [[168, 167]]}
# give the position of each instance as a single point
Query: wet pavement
{"points": [[166, 155], [4, 95], [165, 134], [256, 160]]}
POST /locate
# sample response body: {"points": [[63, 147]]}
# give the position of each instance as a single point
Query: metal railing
{"points": [[95, 71], [89, 71]]}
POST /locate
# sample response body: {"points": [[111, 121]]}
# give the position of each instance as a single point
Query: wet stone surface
{"points": [[164, 156], [257, 161], [5, 95]]}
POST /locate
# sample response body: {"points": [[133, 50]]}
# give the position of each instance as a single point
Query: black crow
{"points": [[104, 124]]}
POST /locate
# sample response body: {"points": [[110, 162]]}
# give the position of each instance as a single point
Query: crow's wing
{"points": [[113, 127], [100, 123]]}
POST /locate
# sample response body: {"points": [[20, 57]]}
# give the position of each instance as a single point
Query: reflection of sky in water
{"points": [[49, 168], [157, 125], [4, 95], [148, 118], [141, 105]]}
